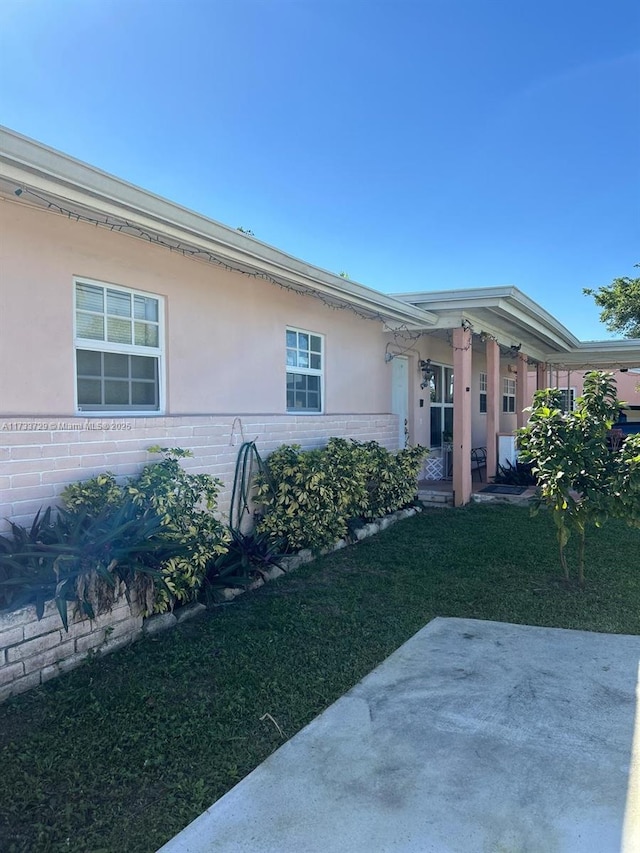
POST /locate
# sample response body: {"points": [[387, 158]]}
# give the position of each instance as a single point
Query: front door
{"points": [[400, 395]]}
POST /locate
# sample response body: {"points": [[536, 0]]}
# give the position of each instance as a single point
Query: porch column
{"points": [[461, 416], [541, 376], [493, 405], [521, 390]]}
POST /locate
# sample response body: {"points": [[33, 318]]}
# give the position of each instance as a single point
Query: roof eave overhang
{"points": [[28, 165], [598, 355], [502, 312]]}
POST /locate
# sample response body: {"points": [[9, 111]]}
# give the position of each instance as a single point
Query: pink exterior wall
{"points": [[628, 384], [225, 359], [225, 332]]}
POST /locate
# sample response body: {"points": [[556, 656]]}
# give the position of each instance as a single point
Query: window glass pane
{"points": [[116, 392], [313, 383], [89, 297], [301, 399], [316, 344], [116, 365], [89, 326], [448, 425], [89, 392], [292, 339], [436, 427], [303, 359], [118, 331], [89, 363], [435, 386], [316, 362], [143, 393], [118, 303], [290, 399], [303, 341], [313, 401], [145, 308], [448, 385], [292, 358], [143, 368], [146, 335], [483, 403]]}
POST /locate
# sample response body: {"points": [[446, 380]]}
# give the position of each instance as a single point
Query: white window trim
{"points": [[131, 349], [482, 390], [509, 394], [442, 405], [307, 371], [572, 392]]}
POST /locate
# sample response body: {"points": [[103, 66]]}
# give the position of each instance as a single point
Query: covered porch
{"points": [[500, 346]]}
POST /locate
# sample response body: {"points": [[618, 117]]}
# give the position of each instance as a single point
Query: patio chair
{"points": [[478, 461]]}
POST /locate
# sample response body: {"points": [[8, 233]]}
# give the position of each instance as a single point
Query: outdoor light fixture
{"points": [[18, 192], [427, 373]]}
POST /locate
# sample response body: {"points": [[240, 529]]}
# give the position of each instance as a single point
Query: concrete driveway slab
{"points": [[473, 737]]}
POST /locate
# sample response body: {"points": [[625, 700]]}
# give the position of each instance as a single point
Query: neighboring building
{"points": [[128, 321]]}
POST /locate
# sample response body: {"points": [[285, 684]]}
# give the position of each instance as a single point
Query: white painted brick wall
{"points": [[36, 464]]}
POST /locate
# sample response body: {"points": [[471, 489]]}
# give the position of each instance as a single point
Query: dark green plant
{"points": [[620, 304], [581, 478], [26, 576], [185, 503], [390, 477], [519, 474], [310, 497], [299, 501], [249, 556], [77, 556], [93, 495]]}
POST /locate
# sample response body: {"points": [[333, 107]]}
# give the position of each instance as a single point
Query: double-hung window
{"points": [[567, 399], [483, 393], [508, 395], [118, 349], [304, 371]]}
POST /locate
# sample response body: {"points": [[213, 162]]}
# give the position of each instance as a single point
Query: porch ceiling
{"points": [[513, 319]]}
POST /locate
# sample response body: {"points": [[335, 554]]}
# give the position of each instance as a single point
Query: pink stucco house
{"points": [[127, 321]]}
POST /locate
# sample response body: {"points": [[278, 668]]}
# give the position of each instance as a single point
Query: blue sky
{"points": [[414, 144]]}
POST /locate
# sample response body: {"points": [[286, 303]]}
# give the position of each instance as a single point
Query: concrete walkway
{"points": [[473, 737]]}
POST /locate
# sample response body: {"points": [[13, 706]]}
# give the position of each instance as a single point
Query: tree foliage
{"points": [[582, 475], [620, 303]]}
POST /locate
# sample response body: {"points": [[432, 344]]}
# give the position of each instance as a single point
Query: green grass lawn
{"points": [[122, 753]]}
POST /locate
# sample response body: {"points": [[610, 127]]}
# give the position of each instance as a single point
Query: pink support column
{"points": [[493, 406], [521, 391], [541, 376], [461, 416]]}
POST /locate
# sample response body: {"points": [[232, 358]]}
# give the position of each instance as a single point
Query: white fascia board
{"points": [[28, 163], [600, 354], [507, 301]]}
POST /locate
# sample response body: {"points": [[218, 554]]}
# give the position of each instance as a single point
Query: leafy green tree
{"points": [[583, 477], [620, 303]]}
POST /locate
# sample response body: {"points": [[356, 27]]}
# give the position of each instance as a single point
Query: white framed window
{"points": [[482, 382], [118, 337], [441, 405], [305, 371], [567, 399], [508, 395]]}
